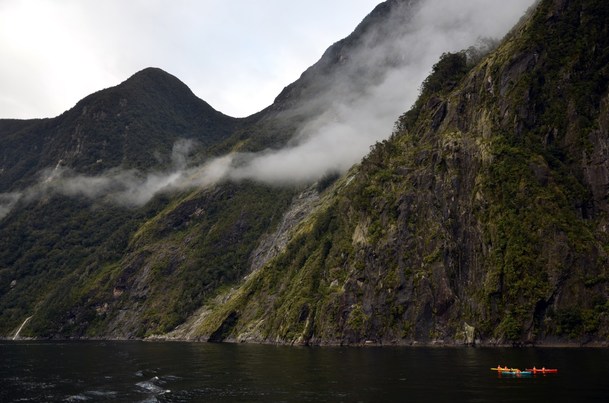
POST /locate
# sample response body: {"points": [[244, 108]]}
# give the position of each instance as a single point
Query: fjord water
{"points": [[198, 372]]}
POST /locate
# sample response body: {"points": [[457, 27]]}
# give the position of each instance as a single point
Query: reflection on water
{"points": [[183, 372]]}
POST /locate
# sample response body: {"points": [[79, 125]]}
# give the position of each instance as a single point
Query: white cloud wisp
{"points": [[355, 115]]}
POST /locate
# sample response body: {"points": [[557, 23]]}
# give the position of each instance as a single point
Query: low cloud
{"points": [[118, 186], [7, 202], [378, 79], [346, 110]]}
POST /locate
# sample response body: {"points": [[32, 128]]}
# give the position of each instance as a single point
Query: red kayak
{"points": [[543, 370]]}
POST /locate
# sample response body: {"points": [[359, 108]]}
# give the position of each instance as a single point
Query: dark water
{"points": [[185, 372]]}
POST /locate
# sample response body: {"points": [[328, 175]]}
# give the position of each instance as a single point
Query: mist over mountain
{"points": [[481, 220], [109, 140], [338, 108], [142, 211], [349, 99]]}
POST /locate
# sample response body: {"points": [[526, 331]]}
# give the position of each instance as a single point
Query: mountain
{"points": [[132, 125], [346, 74], [84, 256], [345, 70], [483, 219], [87, 250], [68, 251]]}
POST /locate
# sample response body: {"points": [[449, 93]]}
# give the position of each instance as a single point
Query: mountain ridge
{"points": [[131, 125]]}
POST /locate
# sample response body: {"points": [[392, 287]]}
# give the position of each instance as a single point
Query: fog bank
{"points": [[349, 108]]}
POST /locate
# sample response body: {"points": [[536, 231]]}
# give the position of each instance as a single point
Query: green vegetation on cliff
{"points": [[483, 217], [486, 208], [92, 267], [130, 273]]}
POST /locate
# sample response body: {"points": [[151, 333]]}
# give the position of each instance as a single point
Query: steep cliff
{"points": [[483, 218]]}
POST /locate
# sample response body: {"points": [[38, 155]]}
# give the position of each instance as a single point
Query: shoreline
{"points": [[366, 344]]}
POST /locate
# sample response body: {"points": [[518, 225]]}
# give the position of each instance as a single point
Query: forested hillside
{"points": [[482, 219]]}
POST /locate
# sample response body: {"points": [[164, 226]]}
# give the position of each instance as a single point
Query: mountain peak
{"points": [[132, 125], [154, 72], [344, 59], [154, 78]]}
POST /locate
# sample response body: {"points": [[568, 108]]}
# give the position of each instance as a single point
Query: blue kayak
{"points": [[517, 373]]}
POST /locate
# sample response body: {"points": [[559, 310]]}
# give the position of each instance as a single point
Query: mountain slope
{"points": [[346, 69], [68, 254], [346, 73], [97, 266], [483, 218]]}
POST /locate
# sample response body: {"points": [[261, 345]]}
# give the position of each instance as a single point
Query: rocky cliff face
{"points": [[483, 218]]}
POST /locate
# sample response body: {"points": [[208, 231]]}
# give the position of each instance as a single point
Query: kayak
{"points": [[543, 370], [517, 373], [511, 371], [529, 371], [500, 368]]}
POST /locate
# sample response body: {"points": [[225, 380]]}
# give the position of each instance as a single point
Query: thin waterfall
{"points": [[16, 336]]}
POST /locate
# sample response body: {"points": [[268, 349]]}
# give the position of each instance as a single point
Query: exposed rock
{"points": [[272, 244]]}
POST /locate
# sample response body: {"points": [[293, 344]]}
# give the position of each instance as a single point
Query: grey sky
{"points": [[237, 55]]}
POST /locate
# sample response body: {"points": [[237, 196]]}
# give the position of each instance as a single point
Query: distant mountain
{"points": [[345, 69], [483, 219], [345, 73], [132, 125]]}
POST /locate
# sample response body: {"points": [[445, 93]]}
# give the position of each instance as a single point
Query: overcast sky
{"points": [[237, 55]]}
